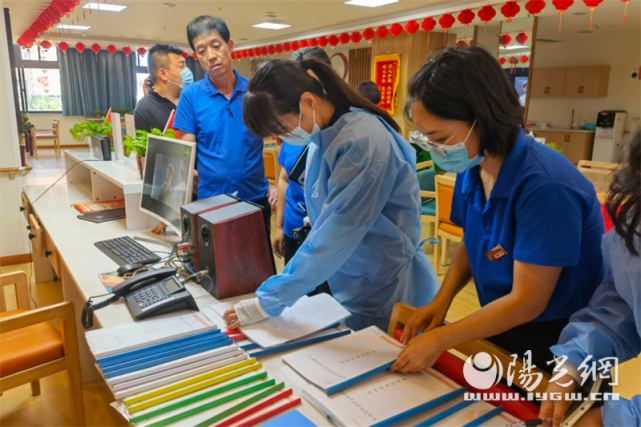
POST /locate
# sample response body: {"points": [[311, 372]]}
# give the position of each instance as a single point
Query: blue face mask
{"points": [[453, 158], [187, 77], [299, 136]]}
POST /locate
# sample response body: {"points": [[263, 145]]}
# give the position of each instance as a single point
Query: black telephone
{"points": [[147, 294]]}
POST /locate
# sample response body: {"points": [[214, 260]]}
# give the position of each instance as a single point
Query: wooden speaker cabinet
{"points": [[189, 212], [234, 248]]}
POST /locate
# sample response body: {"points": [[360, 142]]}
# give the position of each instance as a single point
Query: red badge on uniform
{"points": [[496, 254]]}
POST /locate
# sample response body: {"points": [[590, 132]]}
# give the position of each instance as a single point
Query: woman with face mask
{"points": [[531, 221], [361, 191]]}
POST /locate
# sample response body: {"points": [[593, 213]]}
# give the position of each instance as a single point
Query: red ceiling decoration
{"points": [[561, 6], [322, 41]]}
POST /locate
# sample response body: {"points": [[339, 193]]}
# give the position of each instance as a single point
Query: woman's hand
{"points": [[231, 318], [159, 228], [421, 353], [556, 409], [430, 315], [278, 242]]}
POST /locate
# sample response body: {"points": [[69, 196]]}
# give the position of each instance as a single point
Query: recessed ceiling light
{"points": [[73, 27], [514, 47], [169, 4], [370, 3], [271, 26], [104, 7]]}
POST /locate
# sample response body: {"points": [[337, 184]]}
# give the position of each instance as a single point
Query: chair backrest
{"points": [[56, 126], [426, 179], [444, 194]]}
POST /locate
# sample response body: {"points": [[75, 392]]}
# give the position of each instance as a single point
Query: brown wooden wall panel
{"points": [[360, 66]]}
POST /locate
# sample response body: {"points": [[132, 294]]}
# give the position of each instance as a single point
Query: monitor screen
{"points": [[169, 170]]}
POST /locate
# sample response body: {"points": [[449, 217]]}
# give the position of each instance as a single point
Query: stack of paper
{"points": [[310, 320], [337, 364]]}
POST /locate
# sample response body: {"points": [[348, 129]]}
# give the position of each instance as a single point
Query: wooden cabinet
{"points": [[547, 82], [570, 81], [575, 145], [586, 81]]}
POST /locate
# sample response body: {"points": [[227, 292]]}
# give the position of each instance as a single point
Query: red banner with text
{"points": [[386, 73]]}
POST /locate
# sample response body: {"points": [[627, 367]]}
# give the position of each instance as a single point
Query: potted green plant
{"points": [[80, 131], [138, 144], [26, 127], [99, 114], [556, 148]]}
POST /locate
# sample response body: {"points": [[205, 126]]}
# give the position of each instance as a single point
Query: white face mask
{"points": [[298, 136]]}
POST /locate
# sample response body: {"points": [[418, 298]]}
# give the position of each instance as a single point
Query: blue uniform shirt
{"points": [[541, 211], [294, 215], [230, 157]]}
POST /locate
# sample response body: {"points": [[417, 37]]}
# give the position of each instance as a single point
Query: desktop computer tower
{"points": [[234, 248], [189, 213]]}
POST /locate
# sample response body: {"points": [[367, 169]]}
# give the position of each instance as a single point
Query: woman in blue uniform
{"points": [[611, 324], [362, 197], [531, 221]]}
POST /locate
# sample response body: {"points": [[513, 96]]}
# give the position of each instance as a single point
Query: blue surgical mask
{"points": [[187, 77], [453, 158], [299, 136]]}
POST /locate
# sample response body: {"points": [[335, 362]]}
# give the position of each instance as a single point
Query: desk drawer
{"points": [[37, 242], [54, 257]]}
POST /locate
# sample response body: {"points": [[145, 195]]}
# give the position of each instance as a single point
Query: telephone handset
{"points": [[147, 294]]}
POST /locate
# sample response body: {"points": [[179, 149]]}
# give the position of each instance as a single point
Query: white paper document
{"points": [[130, 336], [341, 360], [307, 316]]}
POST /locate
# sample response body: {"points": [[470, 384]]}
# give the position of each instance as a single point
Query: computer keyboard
{"points": [[125, 250]]}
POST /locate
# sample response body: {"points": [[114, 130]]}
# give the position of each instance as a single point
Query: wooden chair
{"points": [[272, 167], [402, 313], [426, 173], [445, 229], [599, 174], [31, 348], [589, 164], [52, 134]]}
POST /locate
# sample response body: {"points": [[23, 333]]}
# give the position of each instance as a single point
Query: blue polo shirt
{"points": [[294, 215], [230, 157], [541, 211]]}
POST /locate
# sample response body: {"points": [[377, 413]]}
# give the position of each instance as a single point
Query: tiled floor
{"points": [[52, 407]]}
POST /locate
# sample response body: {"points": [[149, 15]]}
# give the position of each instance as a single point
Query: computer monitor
{"points": [[167, 180]]}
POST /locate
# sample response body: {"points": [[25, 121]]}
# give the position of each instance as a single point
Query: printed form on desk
{"points": [[307, 316]]}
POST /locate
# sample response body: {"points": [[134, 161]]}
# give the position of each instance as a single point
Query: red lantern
{"points": [[96, 48], [505, 40], [271, 49], [127, 51], [411, 27], [312, 42], [333, 40], [524, 59], [45, 44], [63, 46], [625, 12], [522, 38], [193, 55], [356, 37], [233, 55], [185, 55], [142, 51], [303, 43], [263, 50], [250, 53], [562, 5], [369, 34], [382, 32], [428, 24], [486, 14], [295, 46], [287, 47], [279, 49], [534, 6], [592, 4], [322, 41], [466, 17], [510, 9], [344, 38], [446, 21], [502, 61], [461, 44], [396, 29], [112, 49], [257, 51], [80, 47]]}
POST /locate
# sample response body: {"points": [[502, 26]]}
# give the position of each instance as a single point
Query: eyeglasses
{"points": [[424, 142]]}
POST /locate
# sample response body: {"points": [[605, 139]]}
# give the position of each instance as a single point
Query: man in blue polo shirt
{"points": [[210, 112]]}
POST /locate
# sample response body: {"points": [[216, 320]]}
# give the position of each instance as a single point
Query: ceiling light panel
{"points": [[370, 3], [73, 27], [104, 7], [271, 26]]}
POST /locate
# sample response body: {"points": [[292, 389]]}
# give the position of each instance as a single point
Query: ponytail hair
{"points": [[276, 87]]}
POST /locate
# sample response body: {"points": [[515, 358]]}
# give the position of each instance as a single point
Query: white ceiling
{"points": [[147, 21]]}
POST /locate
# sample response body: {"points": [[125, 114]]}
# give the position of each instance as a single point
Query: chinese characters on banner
{"points": [[386, 76]]}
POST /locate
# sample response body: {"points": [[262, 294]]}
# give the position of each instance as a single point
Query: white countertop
{"points": [[564, 130]]}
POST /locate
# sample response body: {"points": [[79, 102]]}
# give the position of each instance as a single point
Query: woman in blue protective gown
{"points": [[610, 326], [361, 191]]}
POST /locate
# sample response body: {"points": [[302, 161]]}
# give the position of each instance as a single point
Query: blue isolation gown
{"points": [[364, 204], [610, 325]]}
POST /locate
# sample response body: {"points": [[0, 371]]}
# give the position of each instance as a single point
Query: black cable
{"points": [[63, 175]]}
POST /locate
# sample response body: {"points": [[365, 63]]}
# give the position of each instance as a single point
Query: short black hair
{"points": [[205, 24], [159, 58], [468, 84], [370, 91], [312, 52], [623, 203]]}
